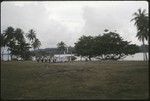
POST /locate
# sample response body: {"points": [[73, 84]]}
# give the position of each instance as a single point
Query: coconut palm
{"points": [[36, 44], [31, 35], [61, 46], [8, 38], [9, 35], [19, 35], [141, 22]]}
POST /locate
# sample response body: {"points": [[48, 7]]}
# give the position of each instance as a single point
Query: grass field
{"points": [[77, 80]]}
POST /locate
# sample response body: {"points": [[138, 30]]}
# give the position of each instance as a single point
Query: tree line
{"points": [[116, 50], [108, 46], [19, 43]]}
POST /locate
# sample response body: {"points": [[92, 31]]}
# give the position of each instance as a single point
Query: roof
{"points": [[63, 55]]}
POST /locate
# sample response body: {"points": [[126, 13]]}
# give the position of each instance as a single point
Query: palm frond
{"points": [[139, 10], [144, 11]]}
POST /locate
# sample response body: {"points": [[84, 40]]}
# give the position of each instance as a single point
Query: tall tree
{"points": [[19, 47], [34, 41], [36, 44], [141, 22], [85, 46], [31, 35], [17, 39], [19, 35], [16, 43], [109, 46], [9, 38], [61, 46]]}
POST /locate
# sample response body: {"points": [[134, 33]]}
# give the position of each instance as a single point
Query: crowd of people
{"points": [[45, 60], [53, 59]]}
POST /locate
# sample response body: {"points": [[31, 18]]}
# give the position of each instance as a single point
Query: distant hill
{"points": [[72, 50], [57, 51]]}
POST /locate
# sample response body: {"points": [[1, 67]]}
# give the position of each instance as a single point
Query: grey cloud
{"points": [[96, 20], [31, 16], [111, 17], [50, 32]]}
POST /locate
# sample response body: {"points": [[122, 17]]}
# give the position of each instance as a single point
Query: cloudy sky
{"points": [[56, 21]]}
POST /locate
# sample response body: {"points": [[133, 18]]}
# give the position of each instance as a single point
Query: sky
{"points": [[67, 21]]}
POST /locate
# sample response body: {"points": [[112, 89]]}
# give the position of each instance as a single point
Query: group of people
{"points": [[45, 60]]}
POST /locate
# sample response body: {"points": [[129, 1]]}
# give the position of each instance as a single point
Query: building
{"points": [[62, 57], [5, 54]]}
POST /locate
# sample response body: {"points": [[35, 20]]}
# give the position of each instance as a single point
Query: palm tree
{"points": [[8, 35], [19, 35], [8, 38], [61, 46], [36, 44], [31, 35], [141, 22]]}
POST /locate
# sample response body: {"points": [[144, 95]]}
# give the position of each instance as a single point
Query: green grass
{"points": [[76, 80]]}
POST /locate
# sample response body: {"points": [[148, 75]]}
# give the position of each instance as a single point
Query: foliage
{"points": [[15, 41], [142, 23], [31, 35], [109, 46], [2, 40], [61, 46], [71, 50], [8, 36], [84, 46], [34, 41], [21, 50]]}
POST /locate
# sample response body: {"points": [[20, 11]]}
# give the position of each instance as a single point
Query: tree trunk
{"points": [[90, 58], [71, 57], [147, 55], [34, 55], [81, 58], [11, 56], [144, 51], [2, 56], [8, 55], [2, 53], [102, 56]]}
